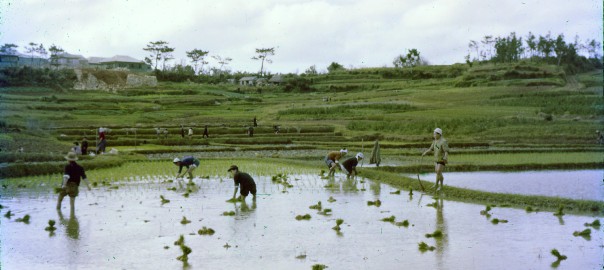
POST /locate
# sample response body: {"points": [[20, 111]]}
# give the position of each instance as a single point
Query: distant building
{"points": [[118, 62], [67, 60], [277, 80], [249, 81], [8, 60]]}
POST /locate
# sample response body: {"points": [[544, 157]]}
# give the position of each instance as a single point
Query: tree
{"points": [[159, 50], [531, 42], [545, 45], [487, 43], [55, 51], [333, 67], [410, 60], [31, 49], [593, 49], [166, 55], [221, 61], [560, 48], [197, 56], [9, 48], [473, 45], [312, 70], [263, 54]]}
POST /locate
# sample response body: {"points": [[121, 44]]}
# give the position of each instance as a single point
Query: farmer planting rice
{"points": [[350, 165], [71, 180], [332, 160], [189, 162], [245, 181], [441, 154]]}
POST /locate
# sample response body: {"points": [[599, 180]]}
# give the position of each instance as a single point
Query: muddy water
{"points": [[580, 184], [129, 228]]}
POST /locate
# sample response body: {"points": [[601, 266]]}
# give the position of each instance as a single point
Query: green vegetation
{"points": [[389, 219], [435, 234], [584, 233], [51, 226], [228, 213], [184, 221], [339, 222], [303, 217], [377, 203], [24, 219], [595, 224], [404, 223], [423, 247], [319, 267], [206, 231]]}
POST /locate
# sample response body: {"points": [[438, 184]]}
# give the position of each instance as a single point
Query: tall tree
{"points": [[545, 45], [166, 55], [262, 55], [531, 42], [334, 66], [560, 47], [487, 44], [312, 70], [55, 51], [31, 49], [197, 56], [410, 60], [9, 48], [222, 61], [158, 50]]}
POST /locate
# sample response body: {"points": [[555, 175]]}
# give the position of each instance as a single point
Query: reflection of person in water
{"points": [[72, 226], [441, 242]]}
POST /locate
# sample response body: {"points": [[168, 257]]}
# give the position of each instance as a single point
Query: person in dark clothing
{"points": [[350, 165], [84, 146], [255, 123], [74, 173], [100, 148], [245, 181], [190, 162], [205, 132], [250, 131], [182, 131]]}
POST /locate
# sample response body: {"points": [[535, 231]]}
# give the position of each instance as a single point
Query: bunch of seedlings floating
{"points": [[497, 221], [316, 206], [559, 257], [560, 212], [228, 213], [398, 192], [303, 217], [529, 209], [281, 178], [325, 212], [185, 253], [433, 204], [24, 219], [389, 219], [319, 267], [339, 222], [435, 234], [206, 231], [423, 247], [180, 241], [8, 214], [51, 226], [331, 199], [377, 203], [184, 221], [404, 223], [595, 224], [163, 200]]}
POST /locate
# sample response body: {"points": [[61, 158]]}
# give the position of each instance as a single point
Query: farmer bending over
{"points": [[350, 165], [71, 180], [245, 181], [441, 153], [332, 160], [190, 162]]}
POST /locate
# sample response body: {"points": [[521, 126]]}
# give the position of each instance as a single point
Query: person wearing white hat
{"points": [[71, 180], [190, 162], [441, 155], [350, 165], [332, 160]]}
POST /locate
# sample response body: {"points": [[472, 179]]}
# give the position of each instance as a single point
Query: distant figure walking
{"points": [[205, 132], [72, 176], [276, 129], [100, 148], [255, 123], [76, 148], [165, 131], [375, 154], [84, 146], [440, 147], [190, 132]]}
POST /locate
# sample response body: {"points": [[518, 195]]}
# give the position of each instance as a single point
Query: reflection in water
{"points": [[561, 220], [72, 226], [376, 188], [441, 242]]}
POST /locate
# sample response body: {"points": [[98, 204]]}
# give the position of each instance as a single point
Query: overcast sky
{"points": [[357, 33]]}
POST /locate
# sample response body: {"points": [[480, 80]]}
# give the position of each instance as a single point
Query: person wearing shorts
{"points": [[74, 173], [242, 181], [190, 163], [440, 147], [332, 160]]}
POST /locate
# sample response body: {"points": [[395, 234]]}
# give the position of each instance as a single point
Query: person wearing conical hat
{"points": [[74, 173], [440, 147]]}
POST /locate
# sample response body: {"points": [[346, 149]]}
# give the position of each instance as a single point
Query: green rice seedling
{"points": [[301, 256], [58, 190], [24, 219], [322, 173], [166, 247], [595, 224], [389, 219], [410, 192], [560, 211], [316, 206], [529, 209], [51, 226], [163, 200], [8, 214], [230, 213], [497, 221], [377, 203], [227, 246], [184, 220], [232, 200], [434, 204], [1, 206], [325, 212], [185, 253], [329, 186], [339, 222], [486, 210], [404, 223], [319, 267], [172, 188], [180, 241], [331, 199], [398, 192], [584, 233], [206, 231], [303, 217], [557, 254], [435, 234], [95, 184], [186, 194], [423, 247]]}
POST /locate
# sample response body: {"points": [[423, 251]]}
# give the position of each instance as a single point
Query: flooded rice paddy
{"points": [[124, 225], [578, 184]]}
